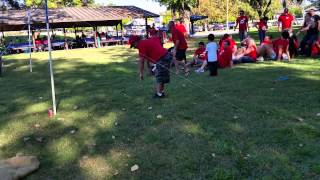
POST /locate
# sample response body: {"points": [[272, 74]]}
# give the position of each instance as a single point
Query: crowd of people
{"points": [[225, 53]]}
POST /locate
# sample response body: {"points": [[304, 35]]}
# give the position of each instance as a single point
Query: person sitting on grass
{"points": [[225, 56], [315, 49], [281, 46], [247, 54], [227, 37], [150, 50], [265, 50], [199, 56]]}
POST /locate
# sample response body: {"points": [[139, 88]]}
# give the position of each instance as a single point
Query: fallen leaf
{"points": [[128, 155], [300, 119], [116, 123], [116, 173], [37, 125], [300, 145], [235, 117], [134, 168], [318, 114], [113, 137], [72, 131], [150, 108], [183, 85], [25, 139], [75, 107], [39, 139], [213, 155], [159, 116]]}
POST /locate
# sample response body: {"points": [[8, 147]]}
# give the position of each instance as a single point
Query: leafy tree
{"points": [[263, 7]]}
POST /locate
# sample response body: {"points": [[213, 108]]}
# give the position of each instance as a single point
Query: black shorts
{"points": [[162, 72], [181, 55]]}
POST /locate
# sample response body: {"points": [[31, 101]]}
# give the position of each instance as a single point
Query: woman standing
{"points": [[262, 27]]}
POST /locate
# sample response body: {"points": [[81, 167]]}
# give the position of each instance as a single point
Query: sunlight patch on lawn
{"points": [[192, 128], [108, 121], [64, 150], [37, 108], [95, 167]]}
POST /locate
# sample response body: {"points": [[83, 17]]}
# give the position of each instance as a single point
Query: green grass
{"points": [[245, 117]]}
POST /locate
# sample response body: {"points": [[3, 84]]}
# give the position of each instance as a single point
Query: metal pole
{"points": [[50, 63], [227, 15], [29, 32]]}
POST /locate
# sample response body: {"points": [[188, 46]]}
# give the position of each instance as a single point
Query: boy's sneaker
{"points": [[199, 70], [157, 96]]}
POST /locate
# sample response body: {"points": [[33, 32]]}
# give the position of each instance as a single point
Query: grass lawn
{"points": [[246, 124]]}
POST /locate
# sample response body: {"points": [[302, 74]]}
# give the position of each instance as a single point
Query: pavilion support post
{"points": [[121, 27], [117, 31], [192, 27], [95, 36], [75, 32], [147, 34], [65, 39]]}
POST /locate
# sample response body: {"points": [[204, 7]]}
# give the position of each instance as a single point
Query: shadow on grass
{"points": [[198, 137]]}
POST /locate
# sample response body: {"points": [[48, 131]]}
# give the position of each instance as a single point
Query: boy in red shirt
{"points": [[151, 50], [285, 19], [281, 46], [225, 56], [199, 56], [180, 48], [242, 21], [315, 49]]}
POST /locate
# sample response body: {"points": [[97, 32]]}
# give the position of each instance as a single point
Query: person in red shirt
{"points": [[225, 56], [151, 50], [285, 19], [281, 46], [227, 37], [181, 27], [199, 56], [262, 27], [265, 50], [248, 54], [180, 48], [242, 21], [315, 49]]}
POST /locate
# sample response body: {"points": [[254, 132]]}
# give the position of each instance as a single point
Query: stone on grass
{"points": [[73, 131], [113, 137], [116, 173], [75, 107], [159, 116], [213, 155], [116, 123], [124, 109], [18, 167], [300, 145], [150, 108], [134, 168], [318, 114], [235, 117], [37, 125]]}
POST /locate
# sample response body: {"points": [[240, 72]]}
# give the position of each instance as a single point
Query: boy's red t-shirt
{"points": [[200, 53], [178, 35], [266, 42], [225, 58], [151, 50], [286, 20], [243, 20], [181, 28]]}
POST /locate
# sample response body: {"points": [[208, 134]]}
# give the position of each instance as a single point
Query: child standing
{"points": [[211, 51]]}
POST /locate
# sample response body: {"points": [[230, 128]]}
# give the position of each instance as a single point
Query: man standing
{"points": [[180, 47], [312, 29], [285, 19], [242, 21], [150, 50]]}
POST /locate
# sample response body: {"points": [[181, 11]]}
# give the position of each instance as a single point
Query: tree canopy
{"points": [[51, 3]]}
